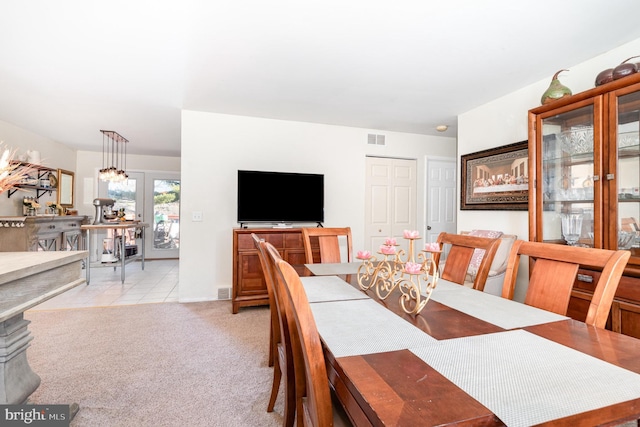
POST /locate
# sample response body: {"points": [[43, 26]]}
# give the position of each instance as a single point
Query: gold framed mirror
{"points": [[66, 191]]}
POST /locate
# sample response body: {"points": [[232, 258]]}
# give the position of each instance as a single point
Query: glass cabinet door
{"points": [[566, 179], [628, 171]]}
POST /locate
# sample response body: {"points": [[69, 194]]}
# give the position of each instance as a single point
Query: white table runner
{"points": [[357, 327], [330, 288], [525, 379], [496, 310], [331, 269]]}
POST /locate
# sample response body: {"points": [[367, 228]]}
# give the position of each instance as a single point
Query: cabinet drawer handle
{"points": [[52, 226]]}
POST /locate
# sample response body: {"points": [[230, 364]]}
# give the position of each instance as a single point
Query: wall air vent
{"points": [[224, 293], [375, 139]]}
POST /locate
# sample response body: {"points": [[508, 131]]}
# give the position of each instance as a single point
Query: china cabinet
{"points": [[584, 186]]}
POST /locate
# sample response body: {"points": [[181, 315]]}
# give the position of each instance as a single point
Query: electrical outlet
{"points": [[196, 216]]}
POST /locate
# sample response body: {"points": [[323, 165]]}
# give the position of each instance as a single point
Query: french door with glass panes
{"points": [[154, 198]]}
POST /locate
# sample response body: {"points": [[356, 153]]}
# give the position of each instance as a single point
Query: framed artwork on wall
{"points": [[496, 179]]}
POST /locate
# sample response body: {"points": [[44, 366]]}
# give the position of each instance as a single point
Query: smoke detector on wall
{"points": [[442, 128]]}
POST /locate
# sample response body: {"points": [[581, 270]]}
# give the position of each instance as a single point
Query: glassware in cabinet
{"points": [[567, 174]]}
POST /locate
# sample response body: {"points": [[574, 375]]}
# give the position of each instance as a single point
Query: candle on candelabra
{"points": [[412, 267], [411, 234], [363, 255], [432, 247], [387, 249]]}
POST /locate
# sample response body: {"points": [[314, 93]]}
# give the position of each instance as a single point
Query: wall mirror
{"points": [[65, 188]]}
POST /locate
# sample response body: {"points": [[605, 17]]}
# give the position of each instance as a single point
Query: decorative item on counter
{"points": [[610, 74], [390, 242], [7, 166], [30, 206], [363, 255], [555, 91], [52, 207]]}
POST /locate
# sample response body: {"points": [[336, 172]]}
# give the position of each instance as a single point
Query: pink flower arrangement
{"points": [[432, 247], [363, 255], [388, 250], [390, 242], [412, 268], [411, 234]]}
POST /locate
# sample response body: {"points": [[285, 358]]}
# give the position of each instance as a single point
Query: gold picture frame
{"points": [[66, 190]]}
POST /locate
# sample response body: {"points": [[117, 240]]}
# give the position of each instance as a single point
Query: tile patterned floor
{"points": [[158, 282]]}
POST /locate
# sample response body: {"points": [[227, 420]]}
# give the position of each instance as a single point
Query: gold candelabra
{"points": [[414, 279]]}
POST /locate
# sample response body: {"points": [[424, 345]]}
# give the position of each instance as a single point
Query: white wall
{"points": [[52, 154], [215, 146], [504, 121]]}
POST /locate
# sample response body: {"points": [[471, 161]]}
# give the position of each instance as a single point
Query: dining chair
{"points": [[268, 280], [462, 248], [282, 366], [314, 404], [329, 242], [554, 271]]}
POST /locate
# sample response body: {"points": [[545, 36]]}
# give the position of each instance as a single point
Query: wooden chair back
{"points": [[274, 334], [328, 242], [460, 254], [284, 352], [313, 398], [554, 269]]}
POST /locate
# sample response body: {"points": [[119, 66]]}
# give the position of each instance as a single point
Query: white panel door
{"points": [[391, 199], [441, 197]]}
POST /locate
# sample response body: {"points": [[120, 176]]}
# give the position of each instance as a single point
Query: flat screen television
{"points": [[280, 197]]}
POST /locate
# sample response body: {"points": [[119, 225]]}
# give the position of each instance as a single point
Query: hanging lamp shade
{"points": [[114, 157]]}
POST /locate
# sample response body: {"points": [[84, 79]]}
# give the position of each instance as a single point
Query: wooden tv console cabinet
{"points": [[249, 288]]}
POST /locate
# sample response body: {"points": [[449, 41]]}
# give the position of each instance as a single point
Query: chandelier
{"points": [[114, 157]]}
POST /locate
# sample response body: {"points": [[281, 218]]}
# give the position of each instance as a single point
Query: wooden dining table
{"points": [[468, 358]]}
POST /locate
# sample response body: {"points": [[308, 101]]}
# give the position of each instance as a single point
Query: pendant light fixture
{"points": [[114, 157]]}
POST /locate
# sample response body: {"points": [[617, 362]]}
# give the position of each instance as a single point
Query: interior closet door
{"points": [[390, 201]]}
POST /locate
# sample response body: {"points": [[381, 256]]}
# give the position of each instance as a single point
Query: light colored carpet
{"points": [[167, 364]]}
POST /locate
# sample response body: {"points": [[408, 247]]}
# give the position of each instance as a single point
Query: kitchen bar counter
{"points": [[26, 280]]}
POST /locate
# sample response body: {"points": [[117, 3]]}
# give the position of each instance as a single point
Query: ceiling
{"points": [[69, 68]]}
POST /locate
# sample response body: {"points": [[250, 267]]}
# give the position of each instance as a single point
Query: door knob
{"points": [[428, 227]]}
